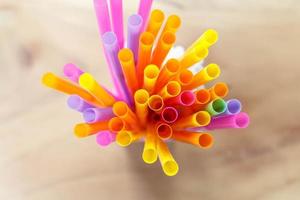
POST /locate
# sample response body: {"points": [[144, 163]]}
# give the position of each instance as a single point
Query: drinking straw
{"points": [[92, 115], [105, 138], [88, 82], [164, 131], [163, 47], [125, 138], [112, 48], [116, 124], [193, 57], [155, 103], [155, 21], [169, 165], [85, 129], [216, 107], [62, 85], [77, 103], [151, 73], [202, 140], [171, 89], [135, 25], [146, 41], [102, 14], [169, 114], [219, 90], [207, 39], [185, 98], [141, 97], [144, 10], [116, 10], [121, 109], [208, 73], [149, 152], [127, 62], [172, 24], [240, 120], [72, 72], [201, 118], [169, 70], [202, 96], [184, 77], [234, 106]]}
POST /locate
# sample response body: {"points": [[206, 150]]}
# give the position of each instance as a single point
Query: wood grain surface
{"points": [[258, 52]]}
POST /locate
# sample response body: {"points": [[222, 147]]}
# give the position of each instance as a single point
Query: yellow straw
{"points": [[121, 109], [194, 56], [155, 21], [150, 153], [172, 24], [201, 118], [156, 103], [202, 140], [151, 73], [84, 129], [172, 89], [169, 165], [88, 82], [125, 138], [141, 97]]}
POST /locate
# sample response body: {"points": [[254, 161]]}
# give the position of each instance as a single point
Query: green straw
{"points": [[216, 107]]}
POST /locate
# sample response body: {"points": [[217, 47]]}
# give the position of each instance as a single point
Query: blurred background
{"points": [[258, 52]]}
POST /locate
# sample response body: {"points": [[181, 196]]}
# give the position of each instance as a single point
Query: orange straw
{"points": [[163, 46], [121, 109], [116, 124], [184, 78], [144, 56], [202, 140], [151, 73], [127, 62], [201, 118], [194, 56], [172, 25], [164, 131], [172, 89], [141, 98], [88, 82], [125, 138], [219, 90], [62, 85], [84, 129], [155, 21], [156, 103]]}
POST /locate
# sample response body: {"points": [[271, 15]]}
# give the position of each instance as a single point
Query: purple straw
{"points": [[104, 138], [92, 115], [169, 114], [240, 120], [116, 11], [135, 23], [144, 10], [77, 103], [234, 106], [102, 14]]}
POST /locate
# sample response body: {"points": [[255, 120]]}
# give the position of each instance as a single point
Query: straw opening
{"points": [[185, 77], [174, 21], [141, 96], [109, 38], [147, 38], [135, 20], [155, 103], [103, 138], [242, 120], [74, 102], [205, 140], [115, 124], [173, 65], [219, 105], [151, 71], [169, 114], [221, 89], [187, 98], [164, 131], [233, 106], [149, 156], [86, 80], [203, 118], [125, 55], [89, 115], [213, 71], [211, 36], [158, 16], [170, 168], [120, 109], [168, 38], [124, 138], [202, 96], [173, 88]]}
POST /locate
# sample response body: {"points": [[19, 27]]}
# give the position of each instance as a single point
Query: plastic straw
{"points": [[169, 165], [156, 103], [164, 131], [127, 62], [84, 129], [155, 21], [240, 120], [234, 106], [116, 10], [112, 48], [184, 77], [163, 47], [146, 41], [208, 73], [173, 24], [62, 85], [149, 152], [172, 89], [105, 138], [151, 73], [219, 90], [141, 105], [102, 14], [125, 138], [169, 114], [207, 39], [72, 72], [201, 118], [193, 57], [135, 25], [116, 124], [202, 140], [88, 82], [121, 109], [144, 10], [77, 103], [216, 107], [185, 98], [92, 115]]}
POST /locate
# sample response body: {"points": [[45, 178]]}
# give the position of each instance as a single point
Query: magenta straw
{"points": [[240, 120], [77, 103], [102, 14], [105, 138], [234, 106], [112, 48], [169, 114], [144, 10], [72, 72], [116, 11], [92, 115], [135, 23], [185, 98]]}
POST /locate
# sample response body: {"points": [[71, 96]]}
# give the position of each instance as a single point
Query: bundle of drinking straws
{"points": [[156, 99]]}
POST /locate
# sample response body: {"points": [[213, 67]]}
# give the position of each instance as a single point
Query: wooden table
{"points": [[40, 158]]}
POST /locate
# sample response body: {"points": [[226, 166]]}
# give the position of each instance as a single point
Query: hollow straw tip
{"points": [[170, 168], [104, 138]]}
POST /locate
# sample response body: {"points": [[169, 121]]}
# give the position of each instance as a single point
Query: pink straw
{"points": [[169, 114], [72, 72], [116, 11], [240, 120], [135, 24], [102, 14], [144, 10], [92, 115], [185, 98], [105, 138]]}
